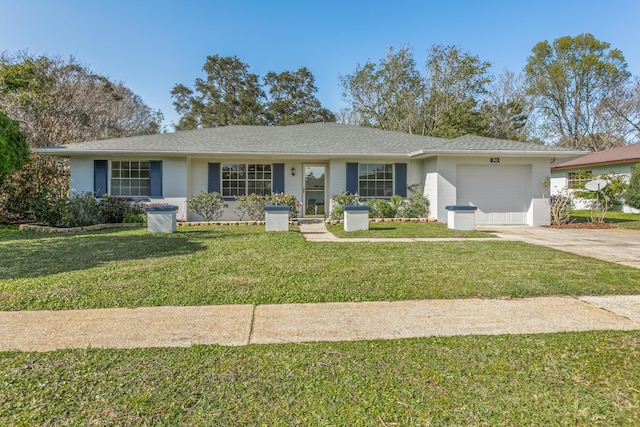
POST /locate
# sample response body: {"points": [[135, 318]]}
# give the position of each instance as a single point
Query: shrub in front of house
{"points": [[252, 205], [339, 201], [381, 208], [283, 199], [416, 206], [113, 209], [21, 191], [136, 214], [82, 210], [52, 208], [49, 207], [209, 206]]}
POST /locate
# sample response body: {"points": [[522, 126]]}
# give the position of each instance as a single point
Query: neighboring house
{"points": [[316, 161], [573, 173]]}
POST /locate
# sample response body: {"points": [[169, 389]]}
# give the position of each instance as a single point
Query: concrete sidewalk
{"points": [[235, 325], [315, 230]]}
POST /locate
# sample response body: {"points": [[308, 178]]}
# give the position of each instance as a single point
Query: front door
{"points": [[314, 191]]}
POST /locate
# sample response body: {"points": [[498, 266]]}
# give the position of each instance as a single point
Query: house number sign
{"points": [[495, 160]]}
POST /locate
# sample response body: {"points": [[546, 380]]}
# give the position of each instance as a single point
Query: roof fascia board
{"points": [[69, 153], [506, 153]]}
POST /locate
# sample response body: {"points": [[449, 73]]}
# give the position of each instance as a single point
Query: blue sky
{"points": [[152, 45]]}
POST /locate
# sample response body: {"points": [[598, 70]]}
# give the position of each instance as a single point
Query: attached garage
{"points": [[502, 193]]}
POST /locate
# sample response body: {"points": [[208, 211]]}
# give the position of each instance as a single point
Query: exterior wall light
{"points": [[293, 171]]}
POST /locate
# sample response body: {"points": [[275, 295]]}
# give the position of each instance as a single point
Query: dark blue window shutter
{"points": [[352, 178], [155, 178], [100, 177], [278, 178], [401, 179], [213, 185]]}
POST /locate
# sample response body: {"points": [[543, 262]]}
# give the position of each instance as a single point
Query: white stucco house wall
{"points": [[568, 174], [503, 179]]}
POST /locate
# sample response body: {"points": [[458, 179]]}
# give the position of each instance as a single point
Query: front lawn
{"points": [[246, 265], [589, 378], [407, 229], [619, 219]]}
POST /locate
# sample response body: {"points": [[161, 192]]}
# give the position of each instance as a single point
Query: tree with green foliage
{"points": [[386, 95], [229, 95], [569, 81], [444, 102], [14, 150], [455, 82], [632, 195], [292, 99]]}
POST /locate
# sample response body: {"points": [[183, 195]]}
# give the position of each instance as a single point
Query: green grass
{"points": [[245, 265], [585, 379], [406, 229], [622, 220]]}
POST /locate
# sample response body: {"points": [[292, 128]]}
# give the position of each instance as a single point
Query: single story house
{"points": [[573, 173], [316, 161]]}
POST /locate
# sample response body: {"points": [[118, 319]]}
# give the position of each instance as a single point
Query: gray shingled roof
{"points": [[325, 139]]}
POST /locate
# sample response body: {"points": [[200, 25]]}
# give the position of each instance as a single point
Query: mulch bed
{"points": [[583, 225]]}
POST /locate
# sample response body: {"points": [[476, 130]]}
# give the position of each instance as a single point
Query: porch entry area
{"points": [[314, 190]]}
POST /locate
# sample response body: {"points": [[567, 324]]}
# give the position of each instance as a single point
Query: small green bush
{"points": [[209, 206], [253, 205], [50, 207], [381, 208], [82, 210], [113, 209], [340, 200], [136, 214], [418, 204], [290, 200]]}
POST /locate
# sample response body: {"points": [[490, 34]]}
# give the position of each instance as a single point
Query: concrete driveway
{"points": [[614, 245]]}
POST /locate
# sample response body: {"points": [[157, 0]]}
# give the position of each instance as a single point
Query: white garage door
{"points": [[502, 194]]}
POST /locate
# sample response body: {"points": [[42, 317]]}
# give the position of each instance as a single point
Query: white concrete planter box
{"points": [[161, 219], [461, 217], [276, 218], [356, 218]]}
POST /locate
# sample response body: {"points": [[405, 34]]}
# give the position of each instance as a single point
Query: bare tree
{"points": [[59, 101], [348, 116], [624, 105], [506, 108]]}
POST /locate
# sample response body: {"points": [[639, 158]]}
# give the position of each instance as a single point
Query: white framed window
{"points": [[239, 179], [578, 179], [129, 178], [375, 179]]}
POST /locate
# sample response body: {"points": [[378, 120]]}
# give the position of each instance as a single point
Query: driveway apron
{"points": [[613, 245]]}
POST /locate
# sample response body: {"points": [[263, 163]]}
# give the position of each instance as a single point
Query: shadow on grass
{"points": [[32, 254]]}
